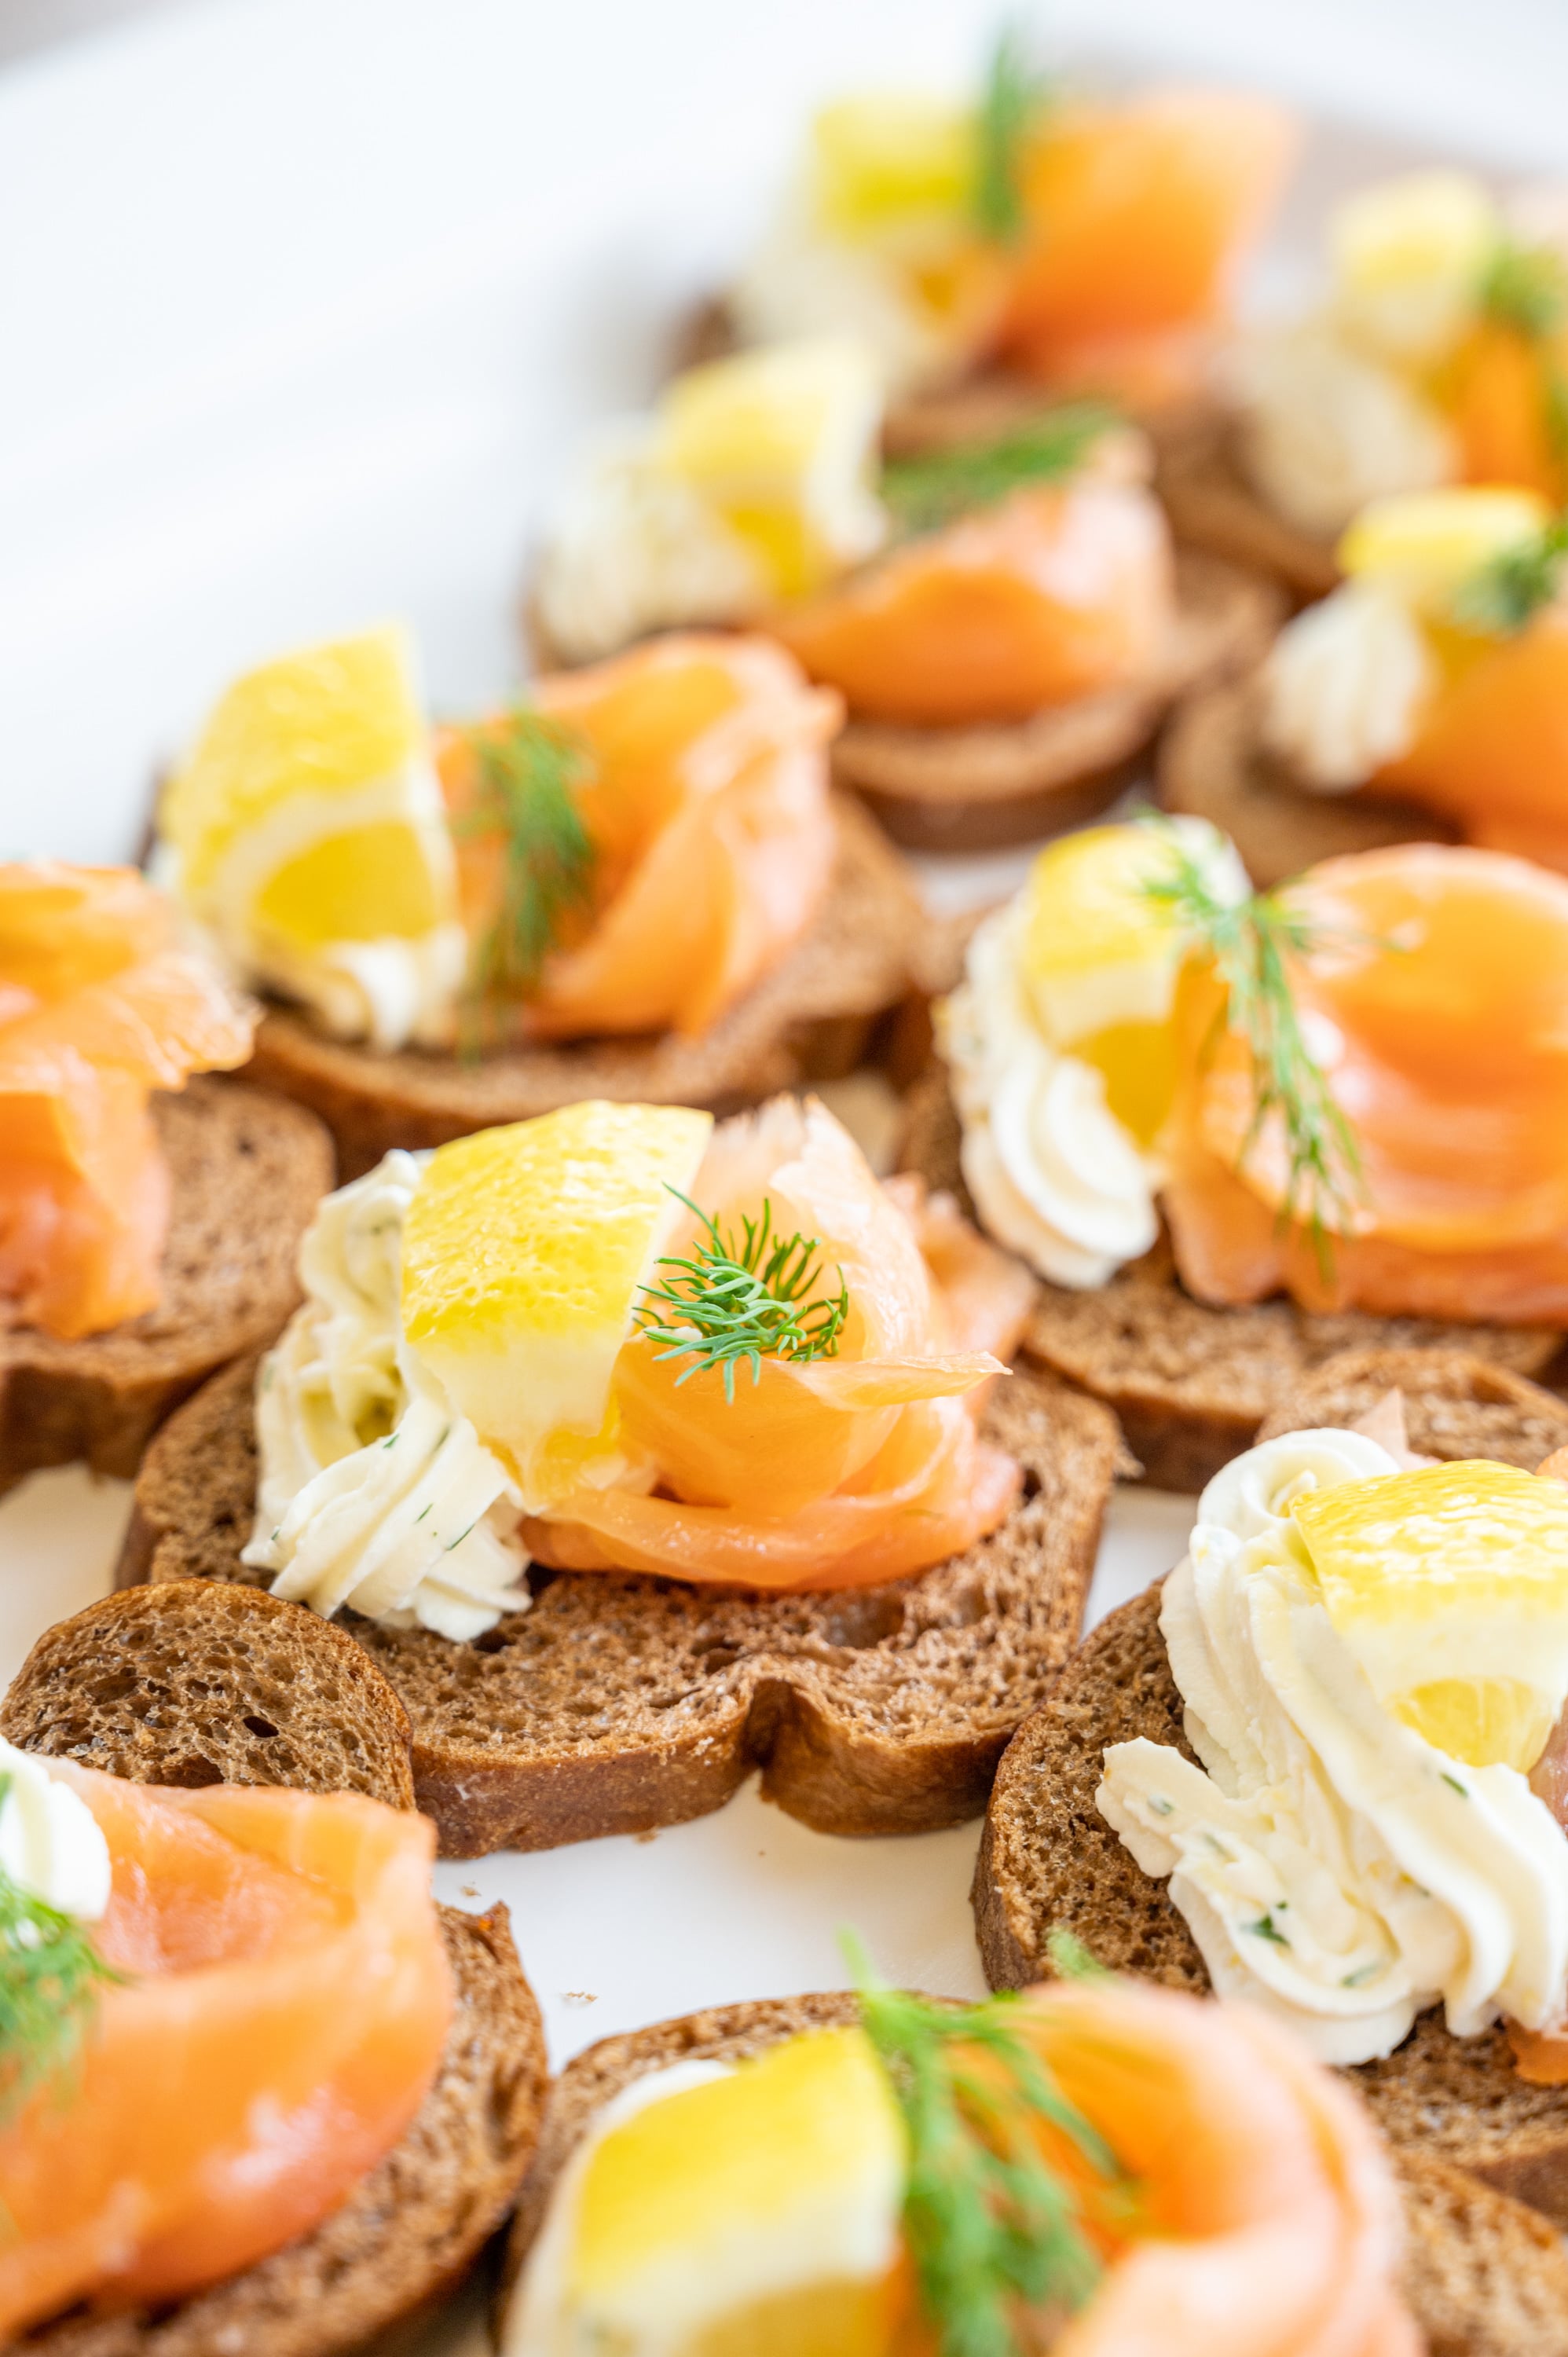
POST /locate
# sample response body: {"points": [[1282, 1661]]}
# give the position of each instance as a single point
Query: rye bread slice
{"points": [[190, 1686], [158, 1676], [1213, 506], [1190, 1385], [1455, 1405], [1484, 2276], [615, 1705], [978, 788], [248, 1171], [1213, 764], [1049, 1859], [811, 1018]]}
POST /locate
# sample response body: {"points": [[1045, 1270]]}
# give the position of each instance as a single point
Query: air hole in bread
{"points": [[259, 1725]]}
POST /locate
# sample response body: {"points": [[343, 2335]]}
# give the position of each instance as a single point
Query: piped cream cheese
{"points": [[51, 1844], [1344, 686], [1332, 1865]]}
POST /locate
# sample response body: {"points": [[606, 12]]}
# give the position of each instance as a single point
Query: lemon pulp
{"points": [[361, 885]]}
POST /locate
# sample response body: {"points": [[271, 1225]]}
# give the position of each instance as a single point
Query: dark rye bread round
{"points": [[978, 788], [248, 1171], [1484, 2276], [1048, 1860], [615, 1705], [811, 1018], [1213, 764], [190, 1684], [1212, 506], [1455, 1405], [1190, 1385], [159, 1675]]}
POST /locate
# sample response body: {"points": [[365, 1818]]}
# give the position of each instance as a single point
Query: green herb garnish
{"points": [[1252, 943], [529, 768], [50, 1976], [1525, 287], [753, 1299], [930, 490], [1266, 1928], [1015, 92], [1507, 594], [993, 2230]]}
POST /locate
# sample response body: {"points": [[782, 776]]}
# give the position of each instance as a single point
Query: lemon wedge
{"points": [[1101, 959], [756, 2212], [524, 1251], [782, 444], [887, 160], [1450, 1586], [1421, 227], [1424, 545]]}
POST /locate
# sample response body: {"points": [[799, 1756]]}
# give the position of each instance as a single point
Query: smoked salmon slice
{"points": [[286, 2002], [1055, 593], [97, 1007], [835, 1471], [1491, 752], [704, 794], [1437, 1005]]}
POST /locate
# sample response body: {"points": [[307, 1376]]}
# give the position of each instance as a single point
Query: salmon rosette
{"points": [[619, 1338], [1098, 2167], [99, 1007], [259, 2001]]}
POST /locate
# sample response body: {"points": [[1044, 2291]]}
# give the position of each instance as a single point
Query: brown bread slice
{"points": [[1455, 1405], [811, 1018], [412, 2228], [1049, 1859], [248, 1171], [1213, 764], [617, 1704], [1191, 1385], [978, 789], [1212, 506], [192, 1685], [1484, 2276]]}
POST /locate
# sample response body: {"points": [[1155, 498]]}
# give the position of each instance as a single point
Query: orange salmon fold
{"points": [[99, 1007], [1491, 751], [713, 832], [287, 2003]]}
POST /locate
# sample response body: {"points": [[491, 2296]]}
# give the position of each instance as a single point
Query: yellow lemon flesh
{"points": [[781, 444], [885, 160], [755, 2214], [1424, 227], [1424, 546], [308, 811], [525, 1251], [1450, 1587], [1101, 957]]}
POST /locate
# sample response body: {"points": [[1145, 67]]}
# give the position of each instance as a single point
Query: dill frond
{"points": [[754, 1297], [993, 2230], [50, 1976], [1253, 944], [527, 768], [1507, 594], [1525, 287], [930, 490], [1015, 92]]}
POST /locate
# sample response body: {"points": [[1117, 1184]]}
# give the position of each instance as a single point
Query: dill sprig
{"points": [[993, 2230], [931, 489], [1525, 287], [50, 1976], [1015, 92], [1253, 944], [527, 768], [1507, 593], [751, 1298]]}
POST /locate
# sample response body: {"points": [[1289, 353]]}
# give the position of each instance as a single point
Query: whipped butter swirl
{"points": [[1344, 685], [373, 1493], [51, 1844], [1325, 428], [1332, 1866]]}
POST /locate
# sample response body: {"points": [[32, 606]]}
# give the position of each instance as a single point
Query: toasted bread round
{"points": [[158, 1676], [614, 1703], [1190, 1385], [1484, 2276], [248, 1171], [1212, 506], [1048, 1860], [1455, 1405], [978, 788], [1213, 764], [811, 1018]]}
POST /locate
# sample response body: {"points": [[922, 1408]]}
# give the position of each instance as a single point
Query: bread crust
{"points": [[1212, 506], [1189, 1383], [1049, 1860], [813, 1017], [247, 1172], [618, 1704]]}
